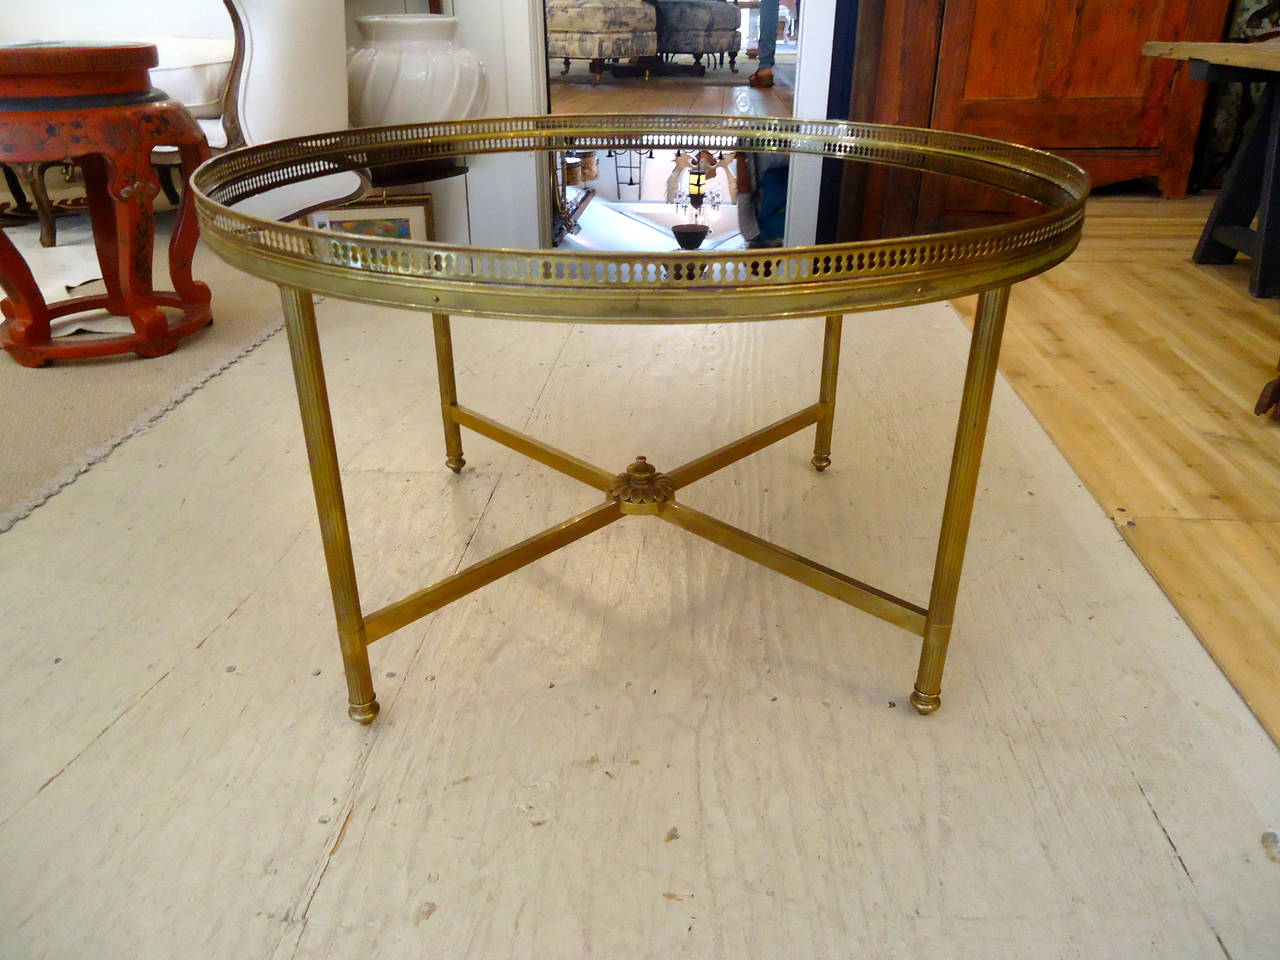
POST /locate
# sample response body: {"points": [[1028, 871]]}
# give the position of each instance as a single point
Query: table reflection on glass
{"points": [[617, 192]]}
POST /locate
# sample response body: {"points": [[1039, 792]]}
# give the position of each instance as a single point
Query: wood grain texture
{"points": [[1252, 56], [1222, 575], [1144, 369], [671, 95], [1065, 75], [1075, 83], [642, 745], [905, 53]]}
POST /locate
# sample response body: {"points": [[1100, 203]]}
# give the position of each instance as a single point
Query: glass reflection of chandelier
{"points": [[696, 196]]}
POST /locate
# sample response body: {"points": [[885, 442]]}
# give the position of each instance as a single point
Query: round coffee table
{"points": [[655, 287]]}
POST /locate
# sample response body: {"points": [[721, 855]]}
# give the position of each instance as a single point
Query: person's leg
{"points": [[768, 43], [768, 33]]}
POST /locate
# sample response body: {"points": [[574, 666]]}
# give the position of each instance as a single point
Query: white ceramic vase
{"points": [[410, 69]]}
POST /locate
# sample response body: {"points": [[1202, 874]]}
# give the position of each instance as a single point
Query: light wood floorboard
{"points": [[1144, 369], [672, 95], [1223, 575]]}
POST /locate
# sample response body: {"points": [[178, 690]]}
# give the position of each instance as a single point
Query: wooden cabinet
{"points": [[1062, 75]]}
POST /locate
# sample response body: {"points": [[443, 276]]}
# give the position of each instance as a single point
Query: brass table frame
{"points": [[825, 280]]}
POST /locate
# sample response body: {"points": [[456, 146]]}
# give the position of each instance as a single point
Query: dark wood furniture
{"points": [[1252, 185], [95, 105], [1061, 75]]}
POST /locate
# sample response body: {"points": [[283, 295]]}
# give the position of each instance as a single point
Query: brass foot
{"points": [[820, 463], [455, 464], [925, 703], [363, 712]]}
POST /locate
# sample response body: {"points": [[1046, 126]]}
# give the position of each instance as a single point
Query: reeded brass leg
{"points": [[317, 427], [448, 392], [827, 392], [975, 406]]}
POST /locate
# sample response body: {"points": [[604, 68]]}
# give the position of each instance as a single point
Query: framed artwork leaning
{"points": [[388, 216]]}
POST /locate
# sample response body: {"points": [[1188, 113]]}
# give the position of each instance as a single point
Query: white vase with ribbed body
{"points": [[410, 69]]}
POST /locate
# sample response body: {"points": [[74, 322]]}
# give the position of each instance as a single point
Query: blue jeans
{"points": [[768, 33]]}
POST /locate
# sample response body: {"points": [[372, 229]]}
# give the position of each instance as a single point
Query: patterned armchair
{"points": [[600, 30], [699, 27]]}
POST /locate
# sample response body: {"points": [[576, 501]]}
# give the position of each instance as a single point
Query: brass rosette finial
{"points": [[642, 489]]}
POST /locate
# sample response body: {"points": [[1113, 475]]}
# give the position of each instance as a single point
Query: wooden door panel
{"points": [[1105, 53], [1004, 49], [1060, 124], [1054, 56], [1068, 76]]}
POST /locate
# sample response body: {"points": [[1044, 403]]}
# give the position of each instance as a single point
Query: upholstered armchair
{"points": [[700, 28], [600, 30]]}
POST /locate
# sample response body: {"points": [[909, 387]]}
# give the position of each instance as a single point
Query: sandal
{"points": [[761, 79]]}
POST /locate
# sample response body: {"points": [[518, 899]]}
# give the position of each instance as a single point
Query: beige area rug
{"points": [[63, 417]]}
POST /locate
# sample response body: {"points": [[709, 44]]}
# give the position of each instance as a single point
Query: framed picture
{"points": [[390, 217]]}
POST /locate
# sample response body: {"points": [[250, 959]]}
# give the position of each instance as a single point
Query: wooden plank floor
{"points": [[672, 95], [1144, 369], [641, 746]]}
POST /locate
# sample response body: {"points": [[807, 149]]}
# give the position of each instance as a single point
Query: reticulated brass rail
{"points": [[633, 286], [823, 579]]}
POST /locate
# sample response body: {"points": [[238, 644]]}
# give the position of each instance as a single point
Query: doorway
{"points": [[648, 56]]}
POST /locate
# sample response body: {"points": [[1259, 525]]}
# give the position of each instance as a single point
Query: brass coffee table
{"points": [[643, 288]]}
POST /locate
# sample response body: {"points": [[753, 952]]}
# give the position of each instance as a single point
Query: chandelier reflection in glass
{"points": [[696, 196], [695, 199]]}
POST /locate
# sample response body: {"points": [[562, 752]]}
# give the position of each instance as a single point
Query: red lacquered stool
{"points": [[95, 104]]}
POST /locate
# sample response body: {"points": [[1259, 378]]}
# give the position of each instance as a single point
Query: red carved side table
{"points": [[95, 105]]}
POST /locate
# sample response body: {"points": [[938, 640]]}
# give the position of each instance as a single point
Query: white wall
{"points": [[507, 196], [813, 79], [24, 20]]}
